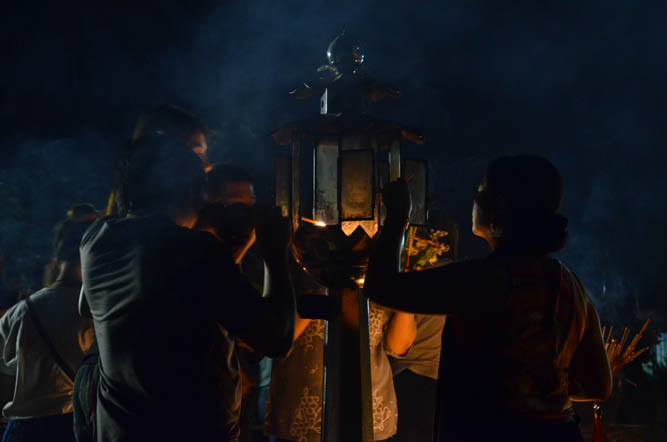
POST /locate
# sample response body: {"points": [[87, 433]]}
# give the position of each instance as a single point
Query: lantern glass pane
{"points": [[357, 185], [325, 194]]}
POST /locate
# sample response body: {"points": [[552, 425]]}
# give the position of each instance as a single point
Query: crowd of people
{"points": [[172, 315]]}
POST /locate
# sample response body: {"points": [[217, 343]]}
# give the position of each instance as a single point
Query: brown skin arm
{"points": [[590, 373], [401, 333], [300, 324], [462, 287]]}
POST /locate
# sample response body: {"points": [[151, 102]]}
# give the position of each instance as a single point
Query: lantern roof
{"points": [[323, 126]]}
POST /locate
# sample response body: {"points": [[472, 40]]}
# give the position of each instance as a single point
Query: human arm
{"points": [[590, 372], [401, 333], [273, 236], [300, 326], [432, 291], [8, 336], [265, 322]]}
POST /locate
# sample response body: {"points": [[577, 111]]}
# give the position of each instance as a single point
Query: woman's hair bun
{"points": [[523, 196]]}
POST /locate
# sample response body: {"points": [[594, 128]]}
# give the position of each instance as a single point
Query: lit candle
{"points": [[313, 221]]}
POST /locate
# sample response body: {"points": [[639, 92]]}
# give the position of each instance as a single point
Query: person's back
{"points": [[43, 341], [44, 389], [514, 359], [153, 317], [158, 292], [545, 316], [522, 340]]}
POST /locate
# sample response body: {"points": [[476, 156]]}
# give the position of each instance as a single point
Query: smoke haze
{"points": [[580, 83]]}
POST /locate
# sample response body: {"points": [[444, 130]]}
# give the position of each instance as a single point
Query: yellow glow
{"points": [[314, 222]]}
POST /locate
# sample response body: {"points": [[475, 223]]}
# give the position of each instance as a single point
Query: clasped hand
{"points": [[396, 198]]}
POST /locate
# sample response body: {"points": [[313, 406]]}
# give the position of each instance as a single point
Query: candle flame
{"points": [[314, 222]]}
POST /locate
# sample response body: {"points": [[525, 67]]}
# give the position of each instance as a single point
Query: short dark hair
{"points": [[160, 174], [161, 121], [523, 196], [169, 119], [68, 232], [222, 174]]}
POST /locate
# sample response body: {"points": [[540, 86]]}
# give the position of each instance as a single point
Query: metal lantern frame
{"points": [[330, 200], [353, 156]]}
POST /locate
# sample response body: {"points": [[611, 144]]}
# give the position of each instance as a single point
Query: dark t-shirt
{"points": [[157, 293]]}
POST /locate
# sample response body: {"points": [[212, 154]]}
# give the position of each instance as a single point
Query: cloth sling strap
{"points": [[45, 337]]}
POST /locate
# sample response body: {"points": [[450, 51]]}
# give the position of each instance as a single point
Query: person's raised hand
{"points": [[396, 197], [273, 232]]}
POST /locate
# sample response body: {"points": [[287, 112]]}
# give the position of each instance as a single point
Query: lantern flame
{"points": [[314, 222]]}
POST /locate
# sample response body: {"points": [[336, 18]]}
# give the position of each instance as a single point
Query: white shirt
{"points": [[42, 388]]}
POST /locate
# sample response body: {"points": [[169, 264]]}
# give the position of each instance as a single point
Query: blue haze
{"points": [[579, 82]]}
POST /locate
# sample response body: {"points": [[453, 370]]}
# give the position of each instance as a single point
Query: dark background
{"points": [[582, 83]]}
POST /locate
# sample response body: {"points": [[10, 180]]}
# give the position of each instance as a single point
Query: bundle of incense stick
{"points": [[619, 354]]}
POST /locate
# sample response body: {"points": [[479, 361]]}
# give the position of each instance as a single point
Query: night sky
{"points": [[582, 83]]}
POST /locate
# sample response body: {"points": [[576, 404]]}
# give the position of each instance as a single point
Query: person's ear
{"points": [[497, 215]]}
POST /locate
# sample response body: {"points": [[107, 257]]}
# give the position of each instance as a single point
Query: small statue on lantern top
{"points": [[345, 74], [345, 56]]}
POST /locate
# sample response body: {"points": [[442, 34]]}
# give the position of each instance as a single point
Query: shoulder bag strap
{"points": [[45, 337]]}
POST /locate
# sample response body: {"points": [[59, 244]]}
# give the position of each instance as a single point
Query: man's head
{"points": [[228, 215], [159, 176], [178, 123], [229, 185], [162, 121]]}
